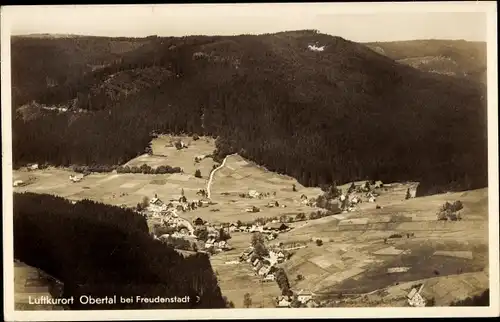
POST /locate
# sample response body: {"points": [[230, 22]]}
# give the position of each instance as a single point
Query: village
{"points": [[222, 211]]}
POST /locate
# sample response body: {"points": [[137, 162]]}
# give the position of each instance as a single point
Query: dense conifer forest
{"points": [[101, 250], [341, 114]]}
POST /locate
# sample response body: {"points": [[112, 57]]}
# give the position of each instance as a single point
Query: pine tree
{"points": [[408, 195]]}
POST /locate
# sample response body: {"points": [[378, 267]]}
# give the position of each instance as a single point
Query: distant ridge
{"points": [[342, 114]]}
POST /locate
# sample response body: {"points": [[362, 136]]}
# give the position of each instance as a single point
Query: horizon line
{"points": [[62, 35]]}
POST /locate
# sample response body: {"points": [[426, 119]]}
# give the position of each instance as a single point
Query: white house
{"points": [[209, 243], [18, 183], [253, 194], [76, 178], [269, 277], [284, 301], [304, 296], [415, 298], [223, 244], [264, 270], [252, 209]]}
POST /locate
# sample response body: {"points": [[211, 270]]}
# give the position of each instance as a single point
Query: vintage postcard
{"points": [[250, 161]]}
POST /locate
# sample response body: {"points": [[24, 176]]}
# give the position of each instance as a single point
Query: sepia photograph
{"points": [[188, 161]]}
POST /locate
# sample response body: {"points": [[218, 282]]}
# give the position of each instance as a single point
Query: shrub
{"points": [[300, 216], [196, 137], [449, 211], [197, 173], [482, 299], [319, 242], [247, 300], [457, 205], [395, 236]]}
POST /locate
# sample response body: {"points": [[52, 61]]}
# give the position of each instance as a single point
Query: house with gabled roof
{"points": [[284, 301], [304, 296], [415, 297], [277, 227]]}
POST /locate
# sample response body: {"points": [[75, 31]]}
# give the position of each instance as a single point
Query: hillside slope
{"points": [[344, 113], [100, 250], [450, 57]]}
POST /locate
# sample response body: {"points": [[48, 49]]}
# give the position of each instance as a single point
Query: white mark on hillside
{"points": [[316, 48]]}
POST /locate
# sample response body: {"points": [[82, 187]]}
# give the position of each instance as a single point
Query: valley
{"points": [[359, 248]]}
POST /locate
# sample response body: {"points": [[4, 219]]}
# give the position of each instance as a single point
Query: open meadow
{"points": [[359, 256]]}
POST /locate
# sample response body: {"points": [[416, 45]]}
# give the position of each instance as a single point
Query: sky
{"points": [[361, 22]]}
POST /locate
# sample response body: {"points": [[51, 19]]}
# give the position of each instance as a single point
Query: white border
{"points": [[12, 12]]}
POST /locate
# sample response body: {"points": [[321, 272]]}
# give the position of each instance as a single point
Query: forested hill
{"points": [[341, 112], [100, 250], [450, 57]]}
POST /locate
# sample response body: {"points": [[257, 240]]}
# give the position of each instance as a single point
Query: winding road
{"points": [[211, 177]]}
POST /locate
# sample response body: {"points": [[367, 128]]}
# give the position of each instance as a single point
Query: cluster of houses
{"points": [[213, 235], [168, 213], [271, 229], [350, 201], [304, 297], [264, 267], [179, 205], [415, 297]]}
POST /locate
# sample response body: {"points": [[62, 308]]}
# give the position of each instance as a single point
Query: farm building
{"points": [[76, 178], [256, 228], [254, 194], [252, 209], [304, 296], [209, 243], [284, 301], [17, 183], [277, 227], [156, 201], [415, 298], [269, 277], [233, 227], [264, 270]]}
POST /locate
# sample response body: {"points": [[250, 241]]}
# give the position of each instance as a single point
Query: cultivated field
{"points": [[363, 251], [354, 257]]}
